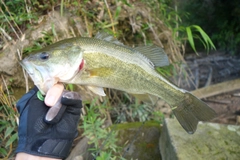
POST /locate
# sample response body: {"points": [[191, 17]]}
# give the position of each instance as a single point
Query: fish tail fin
{"points": [[192, 110]]}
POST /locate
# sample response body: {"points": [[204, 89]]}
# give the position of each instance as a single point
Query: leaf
{"points": [[70, 87], [8, 132], [53, 30], [3, 126], [61, 7], [117, 13], [190, 38], [11, 139], [205, 39], [127, 3], [104, 156], [3, 151], [202, 41]]}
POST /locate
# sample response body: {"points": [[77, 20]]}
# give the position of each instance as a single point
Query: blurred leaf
{"points": [[11, 139], [104, 156], [117, 13], [190, 38], [8, 131], [70, 87], [204, 38], [3, 151]]}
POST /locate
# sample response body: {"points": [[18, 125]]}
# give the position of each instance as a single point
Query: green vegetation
{"points": [[95, 129], [145, 22], [8, 124], [220, 20], [181, 31]]}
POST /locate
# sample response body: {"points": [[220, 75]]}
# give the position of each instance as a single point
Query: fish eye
{"points": [[44, 56]]}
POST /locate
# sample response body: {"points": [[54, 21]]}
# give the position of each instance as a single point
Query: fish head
{"points": [[51, 65]]}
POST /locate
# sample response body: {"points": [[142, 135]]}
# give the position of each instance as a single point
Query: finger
{"points": [[73, 106], [54, 94], [72, 95], [71, 98], [55, 112]]}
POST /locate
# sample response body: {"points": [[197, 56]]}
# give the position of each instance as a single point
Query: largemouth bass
{"points": [[103, 61]]}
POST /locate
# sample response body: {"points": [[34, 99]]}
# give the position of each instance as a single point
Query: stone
{"points": [[10, 68], [81, 151], [210, 141], [139, 141]]}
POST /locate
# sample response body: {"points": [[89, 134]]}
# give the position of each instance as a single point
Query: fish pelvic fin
{"points": [[97, 90], [192, 110]]}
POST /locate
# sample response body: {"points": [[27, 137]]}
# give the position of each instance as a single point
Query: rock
{"points": [[210, 141], [139, 141], [80, 151], [10, 69]]}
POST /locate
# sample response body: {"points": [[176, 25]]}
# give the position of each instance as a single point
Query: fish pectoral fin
{"points": [[190, 111], [100, 72], [97, 90], [155, 54]]}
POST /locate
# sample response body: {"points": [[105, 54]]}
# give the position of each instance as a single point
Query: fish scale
{"points": [[125, 76]]}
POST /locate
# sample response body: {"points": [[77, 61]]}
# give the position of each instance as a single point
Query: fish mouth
{"points": [[27, 66], [35, 72]]}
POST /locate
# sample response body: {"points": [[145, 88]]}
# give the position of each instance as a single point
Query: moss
{"points": [[136, 125], [141, 142], [222, 142]]}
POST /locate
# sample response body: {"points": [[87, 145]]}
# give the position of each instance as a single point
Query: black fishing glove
{"points": [[47, 138]]}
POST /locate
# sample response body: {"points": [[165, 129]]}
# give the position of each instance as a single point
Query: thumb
{"points": [[53, 100], [54, 94]]}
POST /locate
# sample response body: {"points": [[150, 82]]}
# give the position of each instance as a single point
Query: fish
{"points": [[104, 62]]}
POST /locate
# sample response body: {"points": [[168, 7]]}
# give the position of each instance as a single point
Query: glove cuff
{"points": [[53, 148]]}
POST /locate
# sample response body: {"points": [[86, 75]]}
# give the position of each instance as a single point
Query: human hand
{"points": [[40, 137]]}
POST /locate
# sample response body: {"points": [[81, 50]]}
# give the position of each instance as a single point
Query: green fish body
{"points": [[104, 62]]}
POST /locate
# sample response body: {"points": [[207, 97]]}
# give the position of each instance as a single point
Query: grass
{"points": [[8, 123], [97, 130]]}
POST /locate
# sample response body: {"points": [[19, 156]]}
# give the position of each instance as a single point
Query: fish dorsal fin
{"points": [[107, 37], [97, 90], [155, 54]]}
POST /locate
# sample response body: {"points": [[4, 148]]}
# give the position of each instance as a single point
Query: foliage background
{"points": [[219, 18]]}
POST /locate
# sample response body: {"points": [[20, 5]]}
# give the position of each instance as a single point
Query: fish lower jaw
{"points": [[44, 87]]}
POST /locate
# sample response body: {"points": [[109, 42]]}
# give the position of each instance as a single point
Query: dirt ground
{"points": [[227, 106]]}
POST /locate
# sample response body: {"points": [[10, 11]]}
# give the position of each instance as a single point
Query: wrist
{"points": [[25, 156]]}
